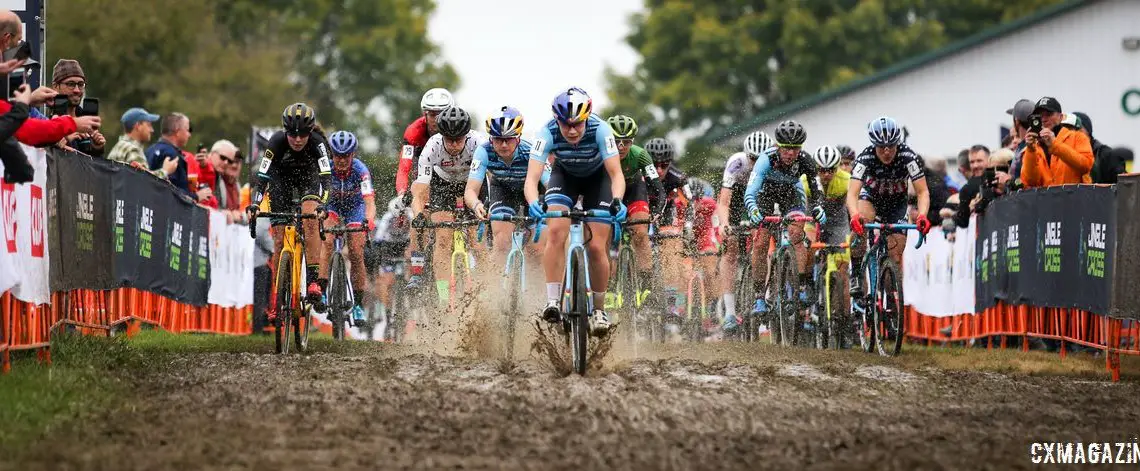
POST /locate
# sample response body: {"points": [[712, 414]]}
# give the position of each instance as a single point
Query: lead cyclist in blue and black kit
{"points": [[878, 191], [351, 202], [775, 180], [585, 164]]}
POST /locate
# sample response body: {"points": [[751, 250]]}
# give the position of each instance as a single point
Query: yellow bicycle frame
{"points": [[292, 245], [459, 249], [833, 261]]}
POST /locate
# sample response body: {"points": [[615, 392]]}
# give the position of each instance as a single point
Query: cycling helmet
{"points": [[436, 99], [884, 131], [624, 127], [846, 151], [572, 106], [790, 133], [298, 119], [660, 149], [454, 122], [505, 122], [827, 157], [756, 143], [342, 142]]}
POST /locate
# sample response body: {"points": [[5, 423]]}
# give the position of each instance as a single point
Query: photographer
{"points": [[1056, 151], [68, 79], [993, 183]]}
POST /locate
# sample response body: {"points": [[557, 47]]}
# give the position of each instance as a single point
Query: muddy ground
{"points": [[697, 406]]}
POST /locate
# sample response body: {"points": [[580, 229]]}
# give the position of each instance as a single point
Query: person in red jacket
{"points": [[416, 136]]}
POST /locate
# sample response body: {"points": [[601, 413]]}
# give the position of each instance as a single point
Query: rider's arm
{"points": [[811, 171], [756, 182], [367, 192], [324, 166], [723, 201], [803, 195], [539, 153], [611, 160], [407, 161], [475, 177], [257, 193], [423, 180], [854, 186]]}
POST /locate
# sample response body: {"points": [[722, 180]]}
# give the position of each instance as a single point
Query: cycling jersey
{"points": [[390, 241], [306, 173], [885, 185], [415, 138], [505, 188], [736, 171], [770, 184], [637, 167], [636, 163], [435, 160], [836, 189], [581, 160], [346, 200], [834, 203]]}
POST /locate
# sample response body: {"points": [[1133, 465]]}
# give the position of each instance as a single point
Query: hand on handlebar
{"points": [[857, 225], [480, 211], [536, 210], [755, 215], [252, 210], [618, 210]]}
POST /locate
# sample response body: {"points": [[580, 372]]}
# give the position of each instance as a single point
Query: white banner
{"points": [[23, 254], [231, 263], [938, 278]]}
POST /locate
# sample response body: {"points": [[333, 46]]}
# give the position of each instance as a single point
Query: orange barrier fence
{"points": [[999, 323], [25, 326]]}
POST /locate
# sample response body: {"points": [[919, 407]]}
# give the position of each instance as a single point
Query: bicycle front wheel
{"points": [[786, 311], [284, 303], [627, 293], [745, 297], [890, 326], [338, 296], [579, 317]]}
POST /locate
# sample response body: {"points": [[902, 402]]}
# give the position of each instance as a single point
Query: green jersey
{"points": [[637, 162]]}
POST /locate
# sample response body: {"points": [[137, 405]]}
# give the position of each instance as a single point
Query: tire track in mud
{"points": [[678, 407]]}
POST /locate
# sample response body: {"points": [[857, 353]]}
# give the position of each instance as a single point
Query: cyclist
{"points": [[506, 155], [847, 158], [673, 180], [444, 164], [834, 181], [640, 173], [417, 134], [585, 165], [878, 191], [297, 160], [730, 210], [351, 199], [775, 180], [387, 252]]}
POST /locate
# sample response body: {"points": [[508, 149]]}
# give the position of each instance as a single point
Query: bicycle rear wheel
{"points": [[284, 303], [338, 296], [628, 291], [890, 325], [821, 325], [864, 318], [745, 297], [839, 324], [786, 311], [579, 317]]}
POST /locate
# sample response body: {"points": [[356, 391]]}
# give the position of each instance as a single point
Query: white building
{"points": [[1084, 53]]}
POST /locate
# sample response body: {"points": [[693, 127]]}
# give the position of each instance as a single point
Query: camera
{"points": [[1034, 121]]}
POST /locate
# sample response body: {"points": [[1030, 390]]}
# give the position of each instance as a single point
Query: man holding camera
{"points": [[1057, 152], [68, 79], [175, 134]]}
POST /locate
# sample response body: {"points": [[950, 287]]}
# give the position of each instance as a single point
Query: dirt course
{"points": [[702, 406]]}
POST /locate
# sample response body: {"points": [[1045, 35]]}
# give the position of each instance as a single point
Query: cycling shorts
{"points": [[788, 202], [706, 236], [384, 256], [887, 210], [736, 212], [636, 196], [352, 213], [303, 184], [505, 199], [565, 189], [443, 194]]}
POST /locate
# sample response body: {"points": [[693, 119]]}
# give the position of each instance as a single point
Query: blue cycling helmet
{"points": [[342, 142], [505, 122], [572, 106], [884, 131]]}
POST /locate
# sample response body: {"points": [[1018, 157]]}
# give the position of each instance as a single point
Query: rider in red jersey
{"points": [[416, 136]]}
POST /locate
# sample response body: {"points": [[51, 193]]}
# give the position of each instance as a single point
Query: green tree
{"points": [[715, 62]]}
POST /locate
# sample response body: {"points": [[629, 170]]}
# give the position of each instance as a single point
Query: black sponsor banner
{"points": [[1125, 302], [79, 221], [160, 239], [1051, 247]]}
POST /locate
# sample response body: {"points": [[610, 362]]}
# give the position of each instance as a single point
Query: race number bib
{"points": [[611, 145], [539, 147], [408, 152], [323, 163], [650, 171], [266, 162], [425, 171], [914, 170], [858, 171], [474, 164], [366, 186]]}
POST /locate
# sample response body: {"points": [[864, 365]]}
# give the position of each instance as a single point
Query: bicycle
{"points": [[883, 312], [289, 303], [744, 287], [657, 319], [627, 285], [577, 302], [459, 278], [340, 294], [829, 322], [700, 322], [786, 323], [515, 270]]}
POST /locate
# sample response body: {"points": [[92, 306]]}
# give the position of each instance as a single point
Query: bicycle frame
{"points": [[458, 251], [878, 249], [834, 254], [518, 242], [577, 239]]}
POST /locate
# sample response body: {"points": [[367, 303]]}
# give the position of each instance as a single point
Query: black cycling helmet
{"points": [[846, 152], [298, 119], [660, 149], [790, 133], [454, 122]]}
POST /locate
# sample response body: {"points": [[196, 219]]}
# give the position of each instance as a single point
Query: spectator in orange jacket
{"points": [[1057, 154]]}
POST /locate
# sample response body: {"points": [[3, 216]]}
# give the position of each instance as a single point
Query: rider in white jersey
{"points": [[443, 167], [730, 208]]}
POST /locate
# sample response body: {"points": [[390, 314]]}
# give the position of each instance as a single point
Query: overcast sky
{"points": [[522, 52]]}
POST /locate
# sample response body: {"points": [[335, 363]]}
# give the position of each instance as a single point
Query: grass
{"points": [[1014, 361]]}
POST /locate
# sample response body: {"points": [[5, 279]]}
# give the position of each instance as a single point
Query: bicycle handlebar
{"points": [[899, 228], [514, 219], [267, 214], [576, 214], [781, 219], [446, 224]]}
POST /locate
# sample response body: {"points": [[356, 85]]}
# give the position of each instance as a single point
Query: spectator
{"points": [[1058, 153], [205, 169], [138, 128], [977, 159], [936, 183], [67, 78], [175, 133], [1108, 163], [960, 177], [224, 158], [17, 169], [35, 132], [1020, 113]]}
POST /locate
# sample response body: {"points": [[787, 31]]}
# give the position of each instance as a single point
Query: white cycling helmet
{"points": [[827, 157], [436, 99], [756, 143]]}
